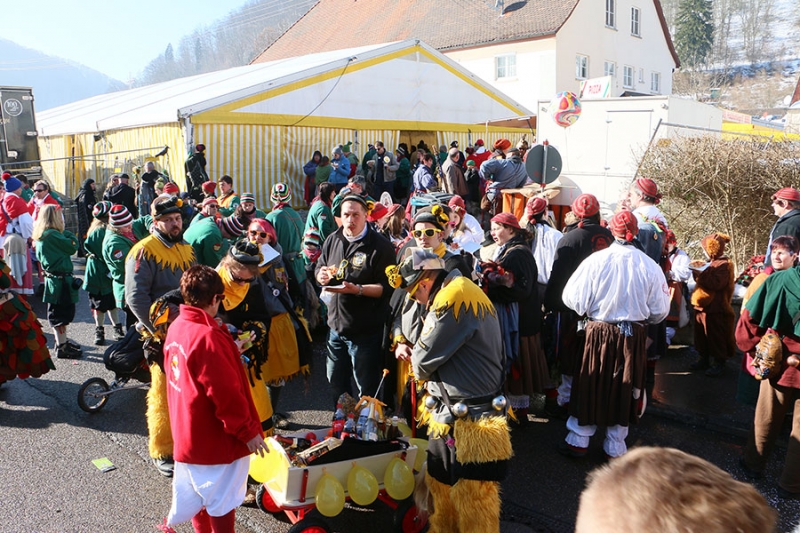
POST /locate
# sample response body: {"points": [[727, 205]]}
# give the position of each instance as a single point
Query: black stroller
{"points": [[126, 358]]}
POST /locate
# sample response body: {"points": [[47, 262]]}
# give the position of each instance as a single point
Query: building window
{"points": [[627, 77], [655, 82], [581, 67], [505, 66], [611, 13], [641, 75], [635, 22], [610, 69]]}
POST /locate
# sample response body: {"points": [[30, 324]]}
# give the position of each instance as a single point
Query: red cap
{"points": [[506, 219], [624, 226], [502, 144], [378, 211], [457, 204], [585, 205], [649, 188], [479, 142], [787, 193], [536, 205], [171, 188], [209, 187]]}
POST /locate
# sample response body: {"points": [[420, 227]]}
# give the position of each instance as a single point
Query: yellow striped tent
{"points": [[261, 123]]}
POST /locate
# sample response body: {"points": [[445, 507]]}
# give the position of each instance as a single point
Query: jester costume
{"points": [[23, 347], [460, 354], [153, 267]]}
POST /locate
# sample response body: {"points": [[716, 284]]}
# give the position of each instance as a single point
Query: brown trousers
{"points": [[773, 404]]}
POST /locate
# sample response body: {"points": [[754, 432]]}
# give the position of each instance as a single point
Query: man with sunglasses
{"points": [[352, 268], [153, 267], [786, 206]]}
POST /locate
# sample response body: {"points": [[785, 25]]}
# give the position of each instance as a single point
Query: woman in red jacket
{"points": [[214, 422]]}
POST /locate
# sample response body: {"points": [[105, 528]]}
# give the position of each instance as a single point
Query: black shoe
{"points": [[786, 495], [749, 472], [568, 450], [63, 351], [715, 370], [40, 290], [74, 346], [119, 332], [99, 336], [700, 364], [165, 466], [559, 412]]}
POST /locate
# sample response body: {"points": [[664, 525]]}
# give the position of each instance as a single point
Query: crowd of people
{"points": [[474, 310]]}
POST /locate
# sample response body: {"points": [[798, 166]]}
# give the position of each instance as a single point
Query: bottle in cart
{"points": [[350, 427], [371, 426], [338, 421], [393, 431]]}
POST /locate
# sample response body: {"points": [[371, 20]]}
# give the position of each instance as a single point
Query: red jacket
{"points": [[34, 210], [210, 407]]}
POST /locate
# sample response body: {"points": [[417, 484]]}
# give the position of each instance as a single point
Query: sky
{"points": [[116, 37]]}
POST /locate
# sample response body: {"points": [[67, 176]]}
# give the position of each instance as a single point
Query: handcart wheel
{"points": [[310, 525], [265, 502], [88, 400], [406, 519]]}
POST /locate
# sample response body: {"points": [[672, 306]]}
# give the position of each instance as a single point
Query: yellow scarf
{"points": [[234, 292], [440, 250]]}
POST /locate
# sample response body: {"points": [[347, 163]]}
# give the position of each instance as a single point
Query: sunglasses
{"points": [[242, 281], [39, 190], [428, 232], [262, 234]]}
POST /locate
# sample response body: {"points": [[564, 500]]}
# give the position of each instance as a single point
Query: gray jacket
{"points": [[389, 168], [504, 173], [460, 342]]}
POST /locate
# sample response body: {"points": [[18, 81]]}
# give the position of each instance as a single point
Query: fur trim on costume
{"points": [[158, 429], [424, 418], [481, 441], [444, 518], [422, 493], [714, 244], [179, 256], [461, 294], [477, 505]]}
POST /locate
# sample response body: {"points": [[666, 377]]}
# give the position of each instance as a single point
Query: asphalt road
{"points": [[50, 484]]}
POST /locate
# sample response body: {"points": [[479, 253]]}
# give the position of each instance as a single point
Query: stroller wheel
{"points": [[89, 395]]}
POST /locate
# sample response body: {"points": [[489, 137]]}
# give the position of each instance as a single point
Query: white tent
{"points": [[262, 122]]}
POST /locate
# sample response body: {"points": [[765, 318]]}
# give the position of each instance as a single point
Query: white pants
{"points": [[217, 488], [613, 445], [564, 390]]}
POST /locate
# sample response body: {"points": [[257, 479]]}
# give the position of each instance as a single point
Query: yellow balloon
{"points": [[329, 496], [404, 429], [398, 479], [362, 485], [259, 467], [422, 452]]}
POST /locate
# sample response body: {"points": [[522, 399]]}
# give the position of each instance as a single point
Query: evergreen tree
{"points": [[694, 36]]}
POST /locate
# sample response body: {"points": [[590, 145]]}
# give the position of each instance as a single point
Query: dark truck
{"points": [[19, 149]]}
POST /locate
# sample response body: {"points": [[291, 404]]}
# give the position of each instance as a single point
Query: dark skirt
{"points": [[102, 302], [612, 366], [529, 373], [569, 343]]}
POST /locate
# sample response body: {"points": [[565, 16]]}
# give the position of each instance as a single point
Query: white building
{"points": [[530, 52]]}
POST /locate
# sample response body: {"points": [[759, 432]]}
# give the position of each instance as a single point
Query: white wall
{"points": [[585, 33], [535, 68], [600, 151]]}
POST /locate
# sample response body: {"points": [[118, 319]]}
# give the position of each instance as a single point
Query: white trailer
{"points": [[600, 152]]}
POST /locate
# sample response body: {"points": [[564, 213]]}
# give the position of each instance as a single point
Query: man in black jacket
{"points": [[352, 269], [786, 206], [123, 194]]}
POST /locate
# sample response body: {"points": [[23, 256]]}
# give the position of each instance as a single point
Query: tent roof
{"points": [[404, 82]]}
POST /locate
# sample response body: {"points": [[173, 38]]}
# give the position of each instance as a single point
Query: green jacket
{"points": [[97, 280], [141, 226], [322, 174], [206, 239], [289, 227], [320, 216], [54, 251], [367, 157], [403, 173], [115, 250]]}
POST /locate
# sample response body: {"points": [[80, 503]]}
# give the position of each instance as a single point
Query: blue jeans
{"points": [[359, 357]]}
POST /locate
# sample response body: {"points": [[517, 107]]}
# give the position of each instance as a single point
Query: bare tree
{"points": [[756, 18], [710, 184]]}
